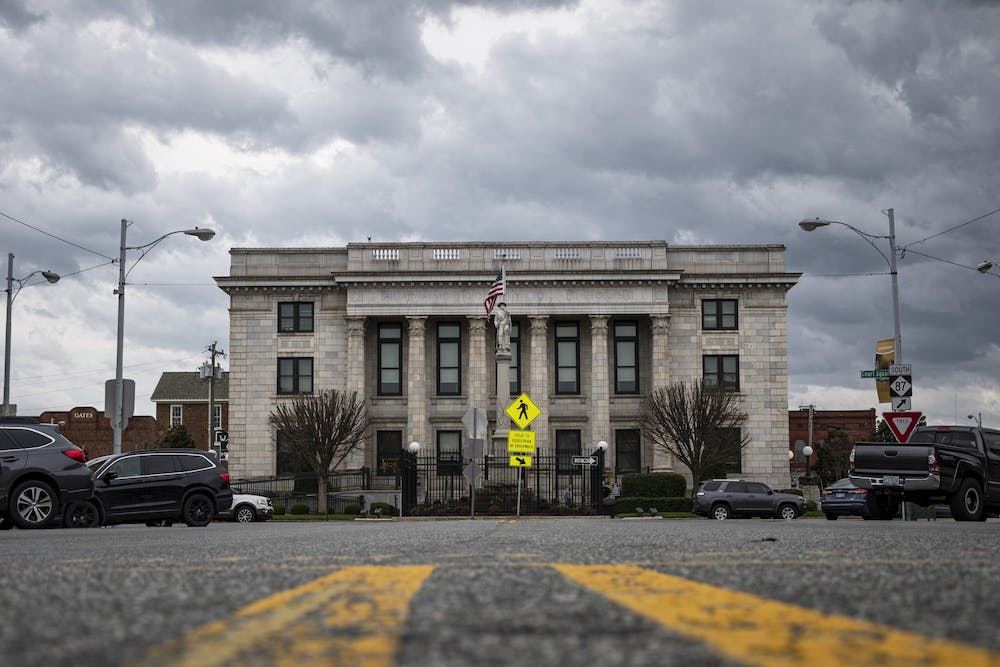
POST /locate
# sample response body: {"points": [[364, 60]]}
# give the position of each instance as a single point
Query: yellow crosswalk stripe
{"points": [[758, 631], [353, 617]]}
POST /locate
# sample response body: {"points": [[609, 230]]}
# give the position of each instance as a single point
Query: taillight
{"points": [[225, 477], [76, 455], [850, 462], [932, 462]]}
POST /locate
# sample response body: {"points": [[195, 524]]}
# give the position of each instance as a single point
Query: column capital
{"points": [[538, 321], [599, 323], [477, 324], [661, 323], [356, 324], [417, 323]]}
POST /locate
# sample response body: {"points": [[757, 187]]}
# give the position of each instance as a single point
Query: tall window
{"points": [[388, 447], [217, 416], [390, 359], [295, 375], [731, 454], [176, 415], [294, 316], [567, 358], [627, 453], [722, 370], [449, 452], [515, 358], [567, 446], [719, 314], [287, 462], [449, 343], [626, 358]]}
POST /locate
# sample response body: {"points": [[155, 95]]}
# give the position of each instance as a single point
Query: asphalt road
{"points": [[501, 592]]}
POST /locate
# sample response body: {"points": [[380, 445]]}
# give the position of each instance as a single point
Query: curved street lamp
{"points": [[50, 277], [890, 258], [117, 420]]}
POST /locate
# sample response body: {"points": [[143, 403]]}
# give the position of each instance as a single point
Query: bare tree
{"points": [[699, 424], [322, 429]]}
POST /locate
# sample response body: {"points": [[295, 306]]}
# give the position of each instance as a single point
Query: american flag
{"points": [[497, 289]]}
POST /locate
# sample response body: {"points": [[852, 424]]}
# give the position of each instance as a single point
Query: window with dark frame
{"points": [[449, 452], [295, 316], [719, 314], [390, 359], [567, 446], [515, 358], [295, 375], [626, 357], [449, 361], [627, 451], [722, 370], [567, 358], [388, 447]]}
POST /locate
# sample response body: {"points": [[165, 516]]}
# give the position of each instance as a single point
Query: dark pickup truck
{"points": [[958, 465]]}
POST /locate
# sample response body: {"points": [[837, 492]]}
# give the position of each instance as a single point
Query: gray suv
{"points": [[41, 472], [729, 498]]}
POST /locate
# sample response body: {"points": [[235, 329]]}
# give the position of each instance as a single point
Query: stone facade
{"points": [[590, 286]]}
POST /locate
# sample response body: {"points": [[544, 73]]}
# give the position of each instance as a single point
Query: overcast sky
{"points": [[323, 123]]}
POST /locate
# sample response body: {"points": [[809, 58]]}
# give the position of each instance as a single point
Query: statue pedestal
{"points": [[503, 400]]}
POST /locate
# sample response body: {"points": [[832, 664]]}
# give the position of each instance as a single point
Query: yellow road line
{"points": [[758, 631], [360, 612]]}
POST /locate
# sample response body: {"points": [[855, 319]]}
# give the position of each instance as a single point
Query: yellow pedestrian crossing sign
{"points": [[520, 461], [521, 442], [522, 411]]}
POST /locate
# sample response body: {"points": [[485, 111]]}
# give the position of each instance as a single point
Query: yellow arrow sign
{"points": [[522, 411], [521, 442], [520, 461]]}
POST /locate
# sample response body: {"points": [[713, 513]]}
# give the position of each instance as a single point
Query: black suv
{"points": [[40, 473], [156, 487], [725, 498]]}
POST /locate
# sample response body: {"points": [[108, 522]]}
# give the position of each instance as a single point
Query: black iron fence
{"points": [[429, 486]]}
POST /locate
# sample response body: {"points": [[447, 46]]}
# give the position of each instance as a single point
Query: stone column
{"points": [[538, 386], [478, 384], [416, 385], [661, 377], [356, 377], [600, 388]]}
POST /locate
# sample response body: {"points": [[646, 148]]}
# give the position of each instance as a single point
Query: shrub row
{"points": [[653, 485]]}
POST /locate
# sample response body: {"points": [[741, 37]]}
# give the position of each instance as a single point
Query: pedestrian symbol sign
{"points": [[522, 411]]}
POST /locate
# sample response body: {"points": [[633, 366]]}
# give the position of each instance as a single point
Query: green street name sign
{"points": [[877, 374]]}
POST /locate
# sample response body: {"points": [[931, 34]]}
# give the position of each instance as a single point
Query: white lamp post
{"points": [[117, 420], [11, 295], [810, 225]]}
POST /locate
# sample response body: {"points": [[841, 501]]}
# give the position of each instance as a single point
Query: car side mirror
{"points": [[109, 476], [770, 492]]}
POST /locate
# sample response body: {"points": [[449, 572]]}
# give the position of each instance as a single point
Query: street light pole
{"points": [[813, 224], [118, 419], [11, 294]]}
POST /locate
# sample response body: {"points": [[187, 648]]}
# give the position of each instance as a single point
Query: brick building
{"points": [[182, 399], [858, 424], [88, 428], [595, 327]]}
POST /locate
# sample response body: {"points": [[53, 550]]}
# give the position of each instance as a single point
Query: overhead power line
{"points": [[58, 238], [934, 236]]}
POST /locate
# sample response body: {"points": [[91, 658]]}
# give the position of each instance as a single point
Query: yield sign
{"points": [[902, 424]]}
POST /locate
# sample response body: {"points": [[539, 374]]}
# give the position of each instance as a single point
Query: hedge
{"points": [[654, 485]]}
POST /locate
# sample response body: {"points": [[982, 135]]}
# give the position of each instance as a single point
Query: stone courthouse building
{"points": [[595, 327]]}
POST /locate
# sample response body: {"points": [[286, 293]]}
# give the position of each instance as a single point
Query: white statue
{"points": [[501, 320]]}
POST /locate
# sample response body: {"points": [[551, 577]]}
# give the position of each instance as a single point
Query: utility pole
{"points": [[211, 372]]}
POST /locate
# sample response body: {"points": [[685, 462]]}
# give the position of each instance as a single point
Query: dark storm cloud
{"points": [[16, 16]]}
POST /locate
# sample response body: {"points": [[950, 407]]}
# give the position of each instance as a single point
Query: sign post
{"points": [[474, 421], [522, 411]]}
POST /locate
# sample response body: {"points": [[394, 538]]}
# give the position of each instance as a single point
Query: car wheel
{"points": [[198, 510], [831, 517], [967, 504], [33, 504], [244, 514], [82, 515], [720, 512], [787, 512]]}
